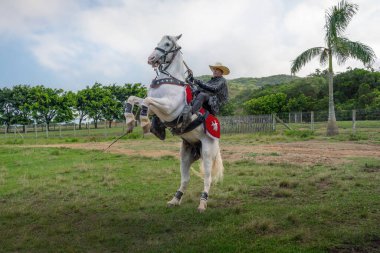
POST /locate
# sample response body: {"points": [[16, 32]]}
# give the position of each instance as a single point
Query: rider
{"points": [[212, 94]]}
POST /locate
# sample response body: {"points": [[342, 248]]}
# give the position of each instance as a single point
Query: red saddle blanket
{"points": [[212, 125]]}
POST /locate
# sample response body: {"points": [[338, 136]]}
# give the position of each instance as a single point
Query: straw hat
{"points": [[220, 66]]}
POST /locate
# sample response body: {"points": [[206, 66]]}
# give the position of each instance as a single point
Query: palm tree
{"points": [[337, 19]]}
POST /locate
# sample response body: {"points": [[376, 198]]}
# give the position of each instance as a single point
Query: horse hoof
{"points": [[146, 129], [129, 130], [202, 206], [174, 202]]}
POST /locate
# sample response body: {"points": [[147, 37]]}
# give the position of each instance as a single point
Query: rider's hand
{"points": [[190, 77]]}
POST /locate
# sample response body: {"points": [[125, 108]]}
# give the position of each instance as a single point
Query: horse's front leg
{"points": [[164, 105], [128, 112], [187, 158]]}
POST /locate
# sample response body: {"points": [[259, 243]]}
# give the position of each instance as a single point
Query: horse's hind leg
{"points": [[187, 158], [209, 152]]}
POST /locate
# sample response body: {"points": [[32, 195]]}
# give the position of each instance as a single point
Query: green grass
{"points": [[366, 132], [63, 200]]}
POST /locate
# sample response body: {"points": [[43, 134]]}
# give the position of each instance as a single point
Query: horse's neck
{"points": [[175, 69]]}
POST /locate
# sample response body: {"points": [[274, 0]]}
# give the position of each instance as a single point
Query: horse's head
{"points": [[165, 51]]}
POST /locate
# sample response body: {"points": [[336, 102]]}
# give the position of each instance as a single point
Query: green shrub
{"points": [[72, 140], [299, 133], [15, 141]]}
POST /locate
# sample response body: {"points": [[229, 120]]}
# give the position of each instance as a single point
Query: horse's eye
{"points": [[167, 44]]}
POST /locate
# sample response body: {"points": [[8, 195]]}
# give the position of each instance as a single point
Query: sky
{"points": [[70, 44]]}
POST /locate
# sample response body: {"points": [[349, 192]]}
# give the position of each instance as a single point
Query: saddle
{"points": [[210, 122]]}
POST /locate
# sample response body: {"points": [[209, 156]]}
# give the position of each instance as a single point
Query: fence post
{"points": [[274, 122], [105, 127], [353, 121], [289, 118], [60, 133], [312, 121], [47, 130]]}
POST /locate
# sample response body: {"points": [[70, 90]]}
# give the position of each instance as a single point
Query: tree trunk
{"points": [[332, 127], [23, 129], [80, 123], [109, 123], [96, 124]]}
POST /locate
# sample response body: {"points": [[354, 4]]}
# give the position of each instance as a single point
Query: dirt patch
{"points": [[300, 153], [371, 246]]}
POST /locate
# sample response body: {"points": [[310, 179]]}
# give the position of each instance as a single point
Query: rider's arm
{"points": [[211, 86]]}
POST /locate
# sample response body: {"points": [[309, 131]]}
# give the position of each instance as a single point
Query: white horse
{"points": [[166, 99]]}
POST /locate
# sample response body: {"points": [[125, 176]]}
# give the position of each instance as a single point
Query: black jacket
{"points": [[217, 88]]}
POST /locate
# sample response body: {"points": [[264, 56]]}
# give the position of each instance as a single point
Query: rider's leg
{"points": [[199, 100]]}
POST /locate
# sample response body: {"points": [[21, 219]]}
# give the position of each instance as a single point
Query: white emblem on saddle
{"points": [[214, 125]]}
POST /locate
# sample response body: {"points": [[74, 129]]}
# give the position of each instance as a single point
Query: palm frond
{"points": [[324, 57], [304, 58], [345, 48], [337, 19]]}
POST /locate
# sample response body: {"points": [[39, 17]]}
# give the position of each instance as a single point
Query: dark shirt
{"points": [[217, 88]]}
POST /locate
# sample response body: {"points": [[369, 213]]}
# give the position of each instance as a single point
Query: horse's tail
{"points": [[217, 168]]}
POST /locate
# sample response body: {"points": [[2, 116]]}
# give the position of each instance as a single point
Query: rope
{"points": [[121, 136]]}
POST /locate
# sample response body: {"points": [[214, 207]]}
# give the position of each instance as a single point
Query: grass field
{"points": [[69, 200]]}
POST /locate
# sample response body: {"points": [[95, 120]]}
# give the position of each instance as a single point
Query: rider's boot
{"points": [[158, 128], [186, 116], [188, 111]]}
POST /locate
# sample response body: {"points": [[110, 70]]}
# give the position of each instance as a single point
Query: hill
{"points": [[245, 85]]}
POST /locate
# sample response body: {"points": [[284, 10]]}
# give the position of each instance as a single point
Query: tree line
{"points": [[24, 104], [354, 89]]}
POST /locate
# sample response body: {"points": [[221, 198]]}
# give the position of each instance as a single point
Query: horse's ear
{"points": [[178, 37]]}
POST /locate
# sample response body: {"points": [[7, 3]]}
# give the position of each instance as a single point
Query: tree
{"points": [[273, 103], [7, 107], [48, 103], [227, 109], [22, 97], [95, 102], [66, 111], [113, 106], [81, 100], [300, 103], [337, 20]]}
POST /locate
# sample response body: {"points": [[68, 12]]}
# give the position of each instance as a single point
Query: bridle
{"points": [[174, 49]]}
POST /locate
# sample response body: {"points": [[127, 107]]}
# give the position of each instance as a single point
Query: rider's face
{"points": [[217, 72]]}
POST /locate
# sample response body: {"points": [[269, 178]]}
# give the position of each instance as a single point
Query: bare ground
{"points": [[302, 153]]}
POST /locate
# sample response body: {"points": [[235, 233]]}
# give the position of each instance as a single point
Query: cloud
{"points": [[109, 41]]}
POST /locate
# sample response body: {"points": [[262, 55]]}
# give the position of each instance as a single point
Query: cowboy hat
{"points": [[220, 66]]}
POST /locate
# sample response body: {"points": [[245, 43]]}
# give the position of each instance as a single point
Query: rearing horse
{"points": [[166, 99]]}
